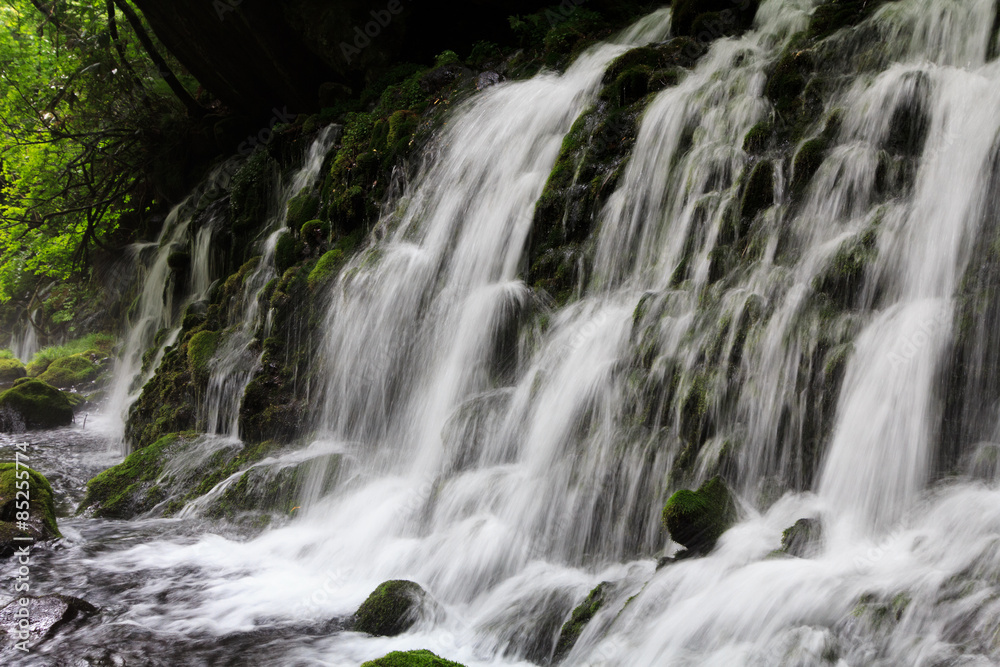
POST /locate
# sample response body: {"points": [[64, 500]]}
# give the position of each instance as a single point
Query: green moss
{"points": [[411, 659], [70, 372], [201, 348], [844, 276], [40, 405], [315, 231], [758, 138], [302, 208], [578, 620], [697, 519], [286, 253], [391, 609], [123, 490], [104, 343], [41, 506], [10, 370], [326, 269]]}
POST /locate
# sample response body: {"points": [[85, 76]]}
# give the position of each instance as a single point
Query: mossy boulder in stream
{"points": [[38, 521], [11, 370], [391, 609], [39, 405], [70, 371], [696, 519], [411, 659], [578, 620]]}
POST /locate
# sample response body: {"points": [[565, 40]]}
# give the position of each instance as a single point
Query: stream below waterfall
{"points": [[511, 484]]}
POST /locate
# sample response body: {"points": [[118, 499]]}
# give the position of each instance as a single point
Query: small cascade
{"points": [[24, 343], [154, 322], [238, 356]]}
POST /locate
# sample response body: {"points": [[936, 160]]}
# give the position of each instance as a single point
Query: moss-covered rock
{"points": [[71, 371], [843, 278], [836, 15], [411, 659], [326, 269], [11, 370], [39, 517], [696, 519], [129, 488], [38, 404], [802, 538], [578, 620], [315, 232], [391, 609], [200, 349], [806, 163], [302, 208]]}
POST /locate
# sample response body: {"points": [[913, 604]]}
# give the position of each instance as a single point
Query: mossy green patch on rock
{"points": [[411, 659], [10, 370], [302, 208], [578, 620], [39, 405], [38, 519], [391, 609], [123, 491], [802, 538], [70, 371], [836, 15], [286, 253], [696, 519], [200, 349], [315, 232], [326, 269]]}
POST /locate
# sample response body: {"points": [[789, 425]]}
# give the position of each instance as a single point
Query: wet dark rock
{"points": [[578, 620], [46, 616], [803, 538], [711, 19]]}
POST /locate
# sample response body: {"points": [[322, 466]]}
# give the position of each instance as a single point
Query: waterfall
{"points": [[24, 344], [153, 324], [510, 454], [238, 357]]}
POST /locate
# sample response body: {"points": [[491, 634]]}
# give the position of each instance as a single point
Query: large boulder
{"points": [[391, 609], [38, 404], [45, 617], [41, 512], [696, 519], [411, 659]]}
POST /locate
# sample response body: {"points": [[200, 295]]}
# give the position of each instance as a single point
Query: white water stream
{"points": [[507, 475]]}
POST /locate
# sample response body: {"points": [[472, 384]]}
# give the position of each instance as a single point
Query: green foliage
{"points": [[411, 659], [40, 405], [390, 609], [74, 144], [101, 342]]}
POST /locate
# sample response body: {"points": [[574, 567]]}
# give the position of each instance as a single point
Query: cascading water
{"points": [[504, 467], [153, 323], [25, 343], [238, 357]]}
